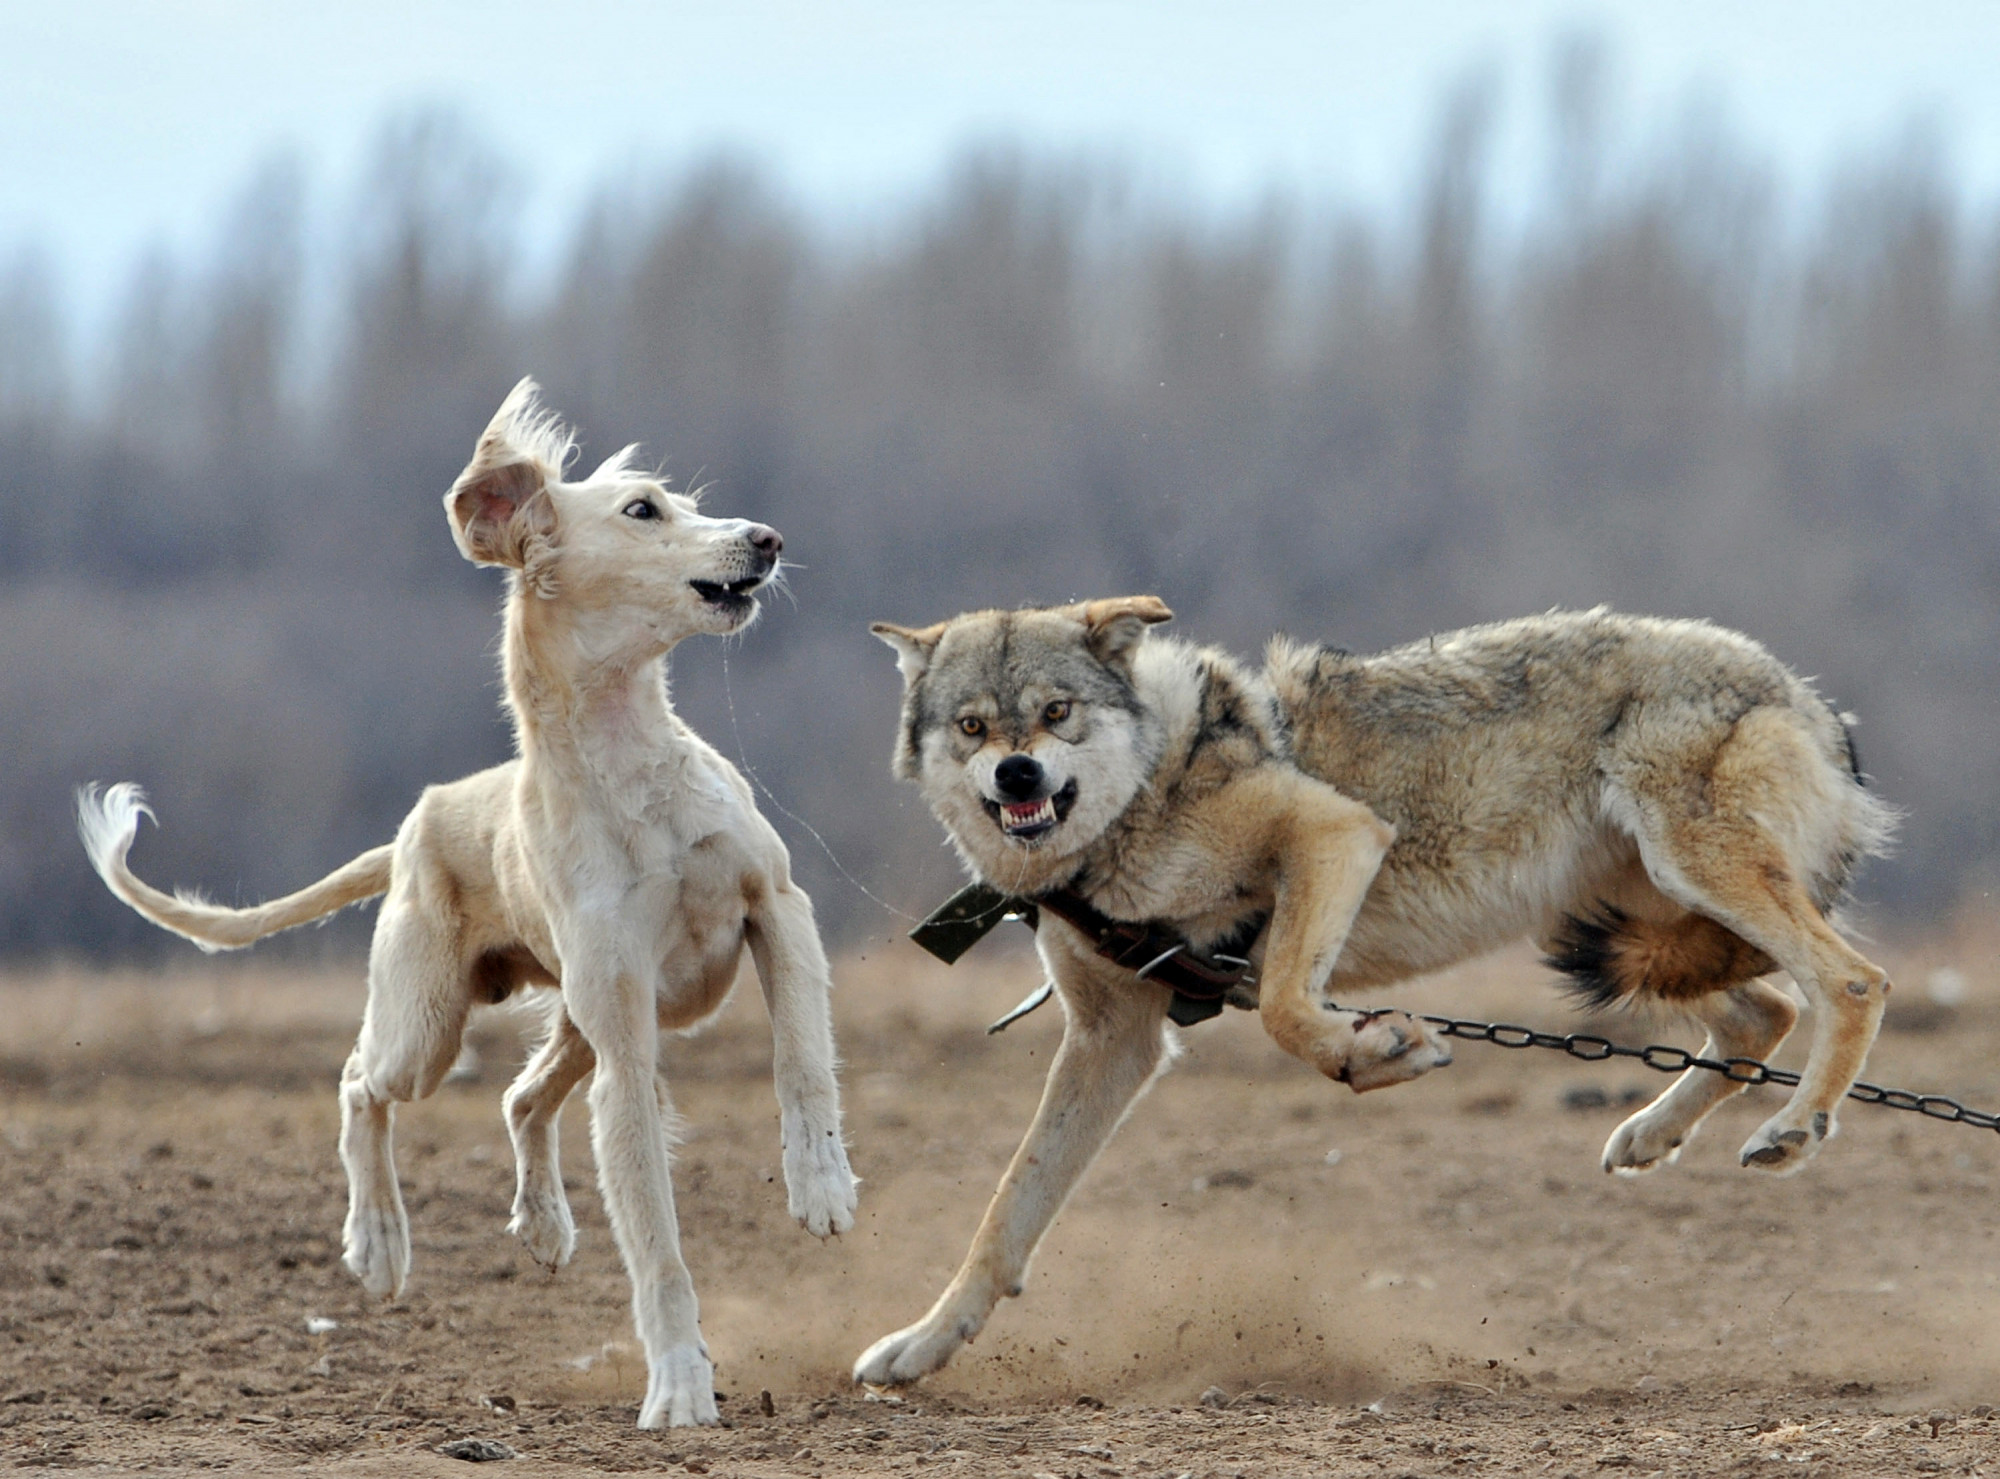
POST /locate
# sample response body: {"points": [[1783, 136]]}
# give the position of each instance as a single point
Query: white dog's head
{"points": [[1028, 731], [616, 544]]}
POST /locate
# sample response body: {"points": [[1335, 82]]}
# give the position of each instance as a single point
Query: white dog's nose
{"points": [[765, 540]]}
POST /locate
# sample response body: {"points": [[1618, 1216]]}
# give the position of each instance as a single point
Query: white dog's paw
{"points": [[1645, 1142], [1783, 1143], [542, 1221], [819, 1186], [680, 1389], [1390, 1048], [911, 1353], [376, 1249]]}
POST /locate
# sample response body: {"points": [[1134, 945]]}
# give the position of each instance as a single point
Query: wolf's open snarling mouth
{"points": [[1029, 821], [731, 596]]}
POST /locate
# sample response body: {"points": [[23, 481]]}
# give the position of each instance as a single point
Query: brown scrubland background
{"points": [[1672, 381]]}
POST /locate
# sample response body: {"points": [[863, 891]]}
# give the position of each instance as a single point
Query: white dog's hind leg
{"points": [[376, 1238], [629, 1135], [532, 1103], [1746, 1021], [410, 1034], [1112, 1046], [819, 1185]]}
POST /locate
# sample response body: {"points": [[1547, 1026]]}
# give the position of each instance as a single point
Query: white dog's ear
{"points": [[1112, 628], [499, 508], [913, 648], [497, 512]]}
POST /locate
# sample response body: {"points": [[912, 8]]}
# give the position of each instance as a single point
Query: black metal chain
{"points": [[969, 914], [1667, 1059]]}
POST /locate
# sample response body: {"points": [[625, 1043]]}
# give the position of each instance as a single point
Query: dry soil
{"points": [[1263, 1276]]}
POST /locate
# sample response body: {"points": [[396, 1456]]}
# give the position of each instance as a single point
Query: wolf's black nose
{"points": [[1018, 777], [765, 540]]}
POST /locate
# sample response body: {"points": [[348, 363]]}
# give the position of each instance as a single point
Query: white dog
{"points": [[619, 858]]}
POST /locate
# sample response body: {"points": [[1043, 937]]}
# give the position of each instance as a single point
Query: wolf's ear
{"points": [[499, 507], [1112, 628], [913, 648]]}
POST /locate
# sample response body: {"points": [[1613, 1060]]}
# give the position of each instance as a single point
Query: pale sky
{"points": [[128, 122]]}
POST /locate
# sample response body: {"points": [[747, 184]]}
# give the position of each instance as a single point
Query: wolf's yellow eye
{"points": [[973, 725], [1056, 712]]}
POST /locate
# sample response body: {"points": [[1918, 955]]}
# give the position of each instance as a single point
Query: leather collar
{"points": [[1153, 951]]}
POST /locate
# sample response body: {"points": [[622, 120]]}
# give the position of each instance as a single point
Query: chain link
{"points": [[1663, 1058]]}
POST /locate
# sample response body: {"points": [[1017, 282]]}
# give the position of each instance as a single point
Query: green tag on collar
{"points": [[963, 920]]}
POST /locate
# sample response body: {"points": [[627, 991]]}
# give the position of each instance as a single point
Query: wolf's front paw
{"points": [[1787, 1140], [680, 1389], [911, 1353], [1391, 1047], [819, 1186], [376, 1248]]}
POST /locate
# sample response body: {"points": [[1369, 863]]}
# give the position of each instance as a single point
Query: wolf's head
{"points": [[641, 565], [1026, 730]]}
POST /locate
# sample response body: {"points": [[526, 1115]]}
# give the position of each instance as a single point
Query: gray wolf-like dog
{"points": [[1662, 805], [618, 858]]}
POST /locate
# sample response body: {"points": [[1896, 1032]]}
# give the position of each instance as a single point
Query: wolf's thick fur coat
{"points": [[618, 857], [1662, 805]]}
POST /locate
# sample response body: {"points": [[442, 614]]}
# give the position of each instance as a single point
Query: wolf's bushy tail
{"points": [[108, 820], [1612, 958]]}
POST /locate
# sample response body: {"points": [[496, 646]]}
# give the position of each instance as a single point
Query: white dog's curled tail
{"points": [[108, 820]]}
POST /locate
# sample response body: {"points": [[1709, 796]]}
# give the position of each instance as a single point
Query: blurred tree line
{"points": [[224, 570]]}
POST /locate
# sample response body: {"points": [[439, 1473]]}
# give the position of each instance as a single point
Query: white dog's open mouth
{"points": [[1026, 821], [734, 596]]}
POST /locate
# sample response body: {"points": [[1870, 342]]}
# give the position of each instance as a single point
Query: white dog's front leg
{"points": [[629, 1134], [1112, 1045], [819, 1185]]}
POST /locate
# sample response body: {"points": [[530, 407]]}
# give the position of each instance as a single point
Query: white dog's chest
{"points": [[688, 898], [699, 908], [671, 897]]}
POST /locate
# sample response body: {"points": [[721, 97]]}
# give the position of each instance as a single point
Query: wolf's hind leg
{"points": [[532, 1103], [1733, 860], [1748, 1020]]}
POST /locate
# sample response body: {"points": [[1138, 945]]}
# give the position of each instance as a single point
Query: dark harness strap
{"points": [[1152, 952]]}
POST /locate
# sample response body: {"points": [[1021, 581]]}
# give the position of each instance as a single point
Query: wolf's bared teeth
{"points": [[1022, 814]]}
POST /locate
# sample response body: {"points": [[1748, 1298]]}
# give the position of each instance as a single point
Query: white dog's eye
{"points": [[641, 508]]}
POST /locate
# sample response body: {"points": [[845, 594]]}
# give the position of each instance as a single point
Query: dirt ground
{"points": [[1263, 1276]]}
